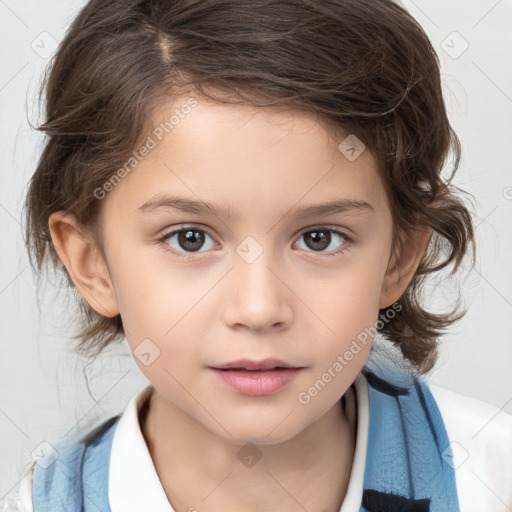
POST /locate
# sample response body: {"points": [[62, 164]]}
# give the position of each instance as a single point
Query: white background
{"points": [[43, 392]]}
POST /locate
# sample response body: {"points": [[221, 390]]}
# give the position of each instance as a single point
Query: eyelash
{"points": [[348, 240]]}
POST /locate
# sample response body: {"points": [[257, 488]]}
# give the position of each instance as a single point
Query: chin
{"points": [[262, 433]]}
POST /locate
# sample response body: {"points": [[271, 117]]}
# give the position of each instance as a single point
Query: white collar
{"points": [[134, 484], [133, 481]]}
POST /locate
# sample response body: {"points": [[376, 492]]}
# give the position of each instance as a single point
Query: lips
{"points": [[252, 365], [256, 378]]}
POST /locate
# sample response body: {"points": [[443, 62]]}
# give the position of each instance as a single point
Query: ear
{"points": [[84, 263], [403, 266]]}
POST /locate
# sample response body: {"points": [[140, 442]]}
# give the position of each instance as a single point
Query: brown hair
{"points": [[365, 67]]}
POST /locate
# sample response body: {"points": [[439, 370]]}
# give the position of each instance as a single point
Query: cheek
{"points": [[152, 294], [349, 299], [348, 307], [165, 311]]}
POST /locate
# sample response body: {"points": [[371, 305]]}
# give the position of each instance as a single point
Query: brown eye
{"points": [[186, 240], [320, 239], [191, 239], [317, 240]]}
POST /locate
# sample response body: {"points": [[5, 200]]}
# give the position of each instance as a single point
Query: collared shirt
{"points": [[480, 436]]}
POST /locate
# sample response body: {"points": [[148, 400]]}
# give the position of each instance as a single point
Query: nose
{"points": [[258, 296]]}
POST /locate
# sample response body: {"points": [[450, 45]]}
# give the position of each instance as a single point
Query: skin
{"points": [[293, 302]]}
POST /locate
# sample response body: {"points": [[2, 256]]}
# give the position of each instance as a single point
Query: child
{"points": [[283, 376]]}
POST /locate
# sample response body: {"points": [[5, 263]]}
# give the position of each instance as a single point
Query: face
{"points": [[254, 276]]}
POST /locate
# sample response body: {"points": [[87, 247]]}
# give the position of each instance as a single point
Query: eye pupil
{"points": [[321, 239], [191, 236]]}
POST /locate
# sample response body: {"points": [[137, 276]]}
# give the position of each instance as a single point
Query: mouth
{"points": [[256, 378]]}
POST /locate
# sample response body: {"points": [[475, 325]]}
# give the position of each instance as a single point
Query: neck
{"points": [[199, 470]]}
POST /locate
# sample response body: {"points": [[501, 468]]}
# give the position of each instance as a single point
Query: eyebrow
{"points": [[183, 204]]}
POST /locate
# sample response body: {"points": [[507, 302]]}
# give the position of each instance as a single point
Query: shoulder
{"points": [[20, 500], [480, 437], [54, 478], [470, 418]]}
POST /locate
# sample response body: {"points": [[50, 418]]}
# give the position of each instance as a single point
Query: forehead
{"points": [[191, 112], [245, 157]]}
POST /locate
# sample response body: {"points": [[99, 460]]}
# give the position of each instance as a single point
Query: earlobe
{"points": [[404, 266], [84, 263]]}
